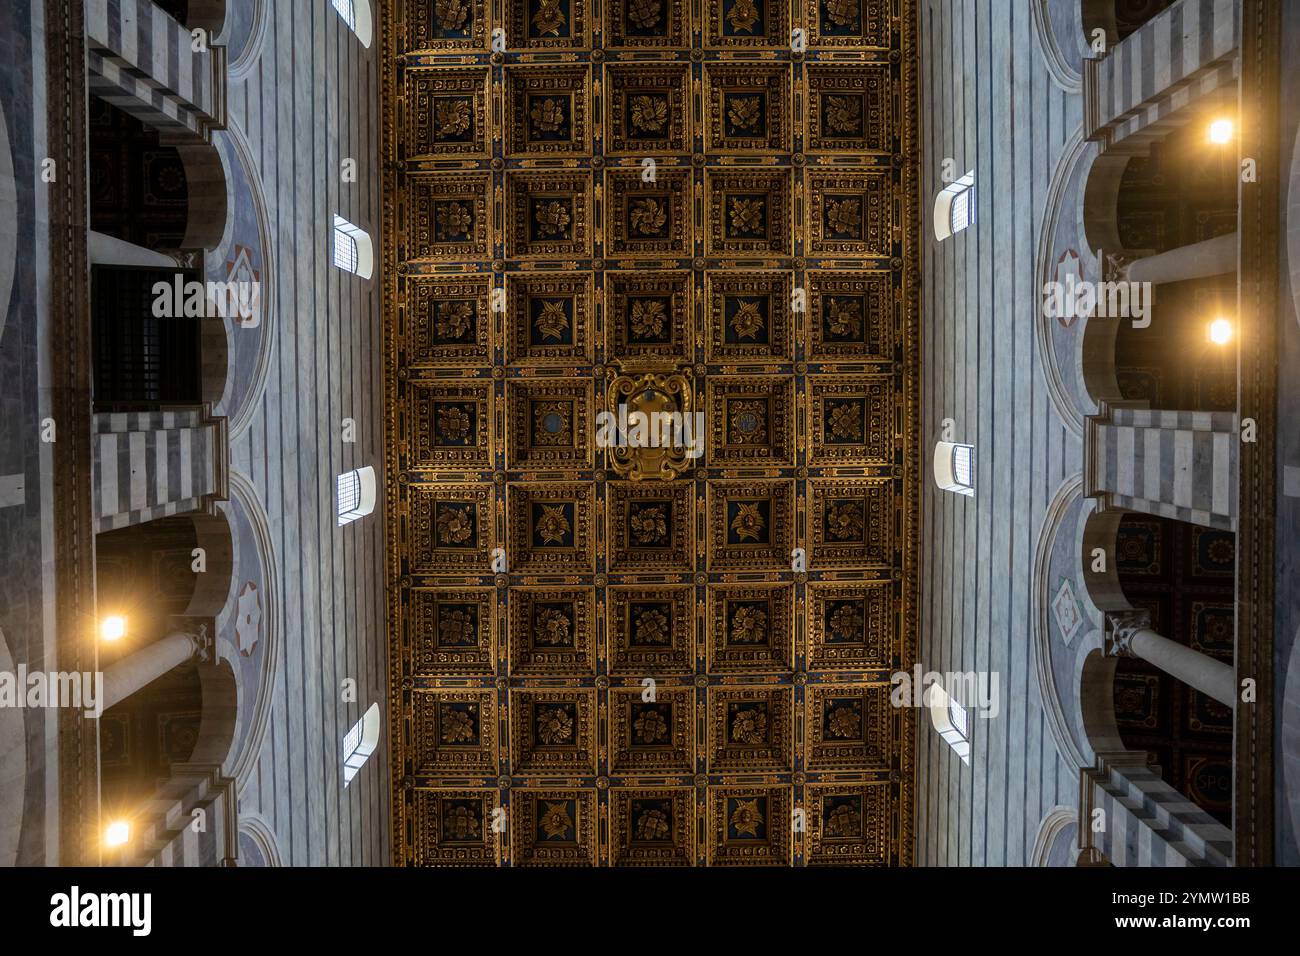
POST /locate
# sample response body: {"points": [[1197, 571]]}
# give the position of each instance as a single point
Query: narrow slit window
{"points": [[359, 743], [356, 495], [954, 467], [950, 720], [954, 207], [348, 11], [353, 251], [356, 14]]}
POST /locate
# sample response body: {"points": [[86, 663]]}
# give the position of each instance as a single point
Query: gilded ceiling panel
{"points": [[703, 210]]}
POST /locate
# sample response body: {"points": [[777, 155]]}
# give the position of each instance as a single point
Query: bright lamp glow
{"points": [[112, 628], [118, 832], [1220, 331], [1221, 131]]}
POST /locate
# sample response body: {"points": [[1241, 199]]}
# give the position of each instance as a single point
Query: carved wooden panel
{"points": [[659, 667]]}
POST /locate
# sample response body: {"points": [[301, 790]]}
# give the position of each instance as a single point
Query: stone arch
{"points": [[220, 710], [255, 561], [246, 253], [1100, 217], [244, 34], [205, 174], [1063, 50], [1059, 826], [1055, 663], [1289, 741], [256, 835], [1293, 226], [1101, 530], [212, 533], [1059, 237]]}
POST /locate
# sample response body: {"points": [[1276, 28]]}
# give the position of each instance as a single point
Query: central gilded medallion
{"points": [[648, 427]]}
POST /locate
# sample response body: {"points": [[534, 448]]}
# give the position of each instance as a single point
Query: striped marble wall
{"points": [[143, 62], [1176, 464], [1182, 55], [1145, 822], [153, 464]]}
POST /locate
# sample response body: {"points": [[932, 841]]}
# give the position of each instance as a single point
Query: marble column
{"points": [[1132, 636], [144, 666], [1200, 260]]}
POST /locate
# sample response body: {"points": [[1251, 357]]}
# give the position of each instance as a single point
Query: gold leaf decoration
{"points": [[553, 218], [454, 319], [844, 215], [553, 525], [461, 823], [844, 521], [555, 821], [748, 523], [644, 13], [649, 526], [648, 318], [451, 14], [452, 117], [747, 215], [749, 626], [554, 726], [748, 320], [846, 722], [453, 422], [845, 317], [653, 825], [554, 321], [747, 818], [843, 113], [842, 13], [650, 727], [547, 115], [648, 113], [544, 410], [743, 111], [455, 525], [846, 422], [652, 627], [456, 220], [455, 628], [846, 623], [749, 727], [844, 822], [647, 216], [457, 725], [552, 627], [548, 18], [743, 16]]}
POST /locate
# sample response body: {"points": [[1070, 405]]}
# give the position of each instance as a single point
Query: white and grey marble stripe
{"points": [[145, 470], [1176, 464], [1151, 74], [139, 55]]}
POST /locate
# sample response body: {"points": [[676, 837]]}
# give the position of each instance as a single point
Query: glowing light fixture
{"points": [[112, 628], [1221, 131], [1220, 331], [118, 832]]}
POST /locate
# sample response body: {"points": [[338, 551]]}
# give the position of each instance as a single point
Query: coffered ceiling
{"points": [[609, 657]]}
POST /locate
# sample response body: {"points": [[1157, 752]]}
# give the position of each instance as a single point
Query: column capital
{"points": [[1122, 626], [202, 643]]}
